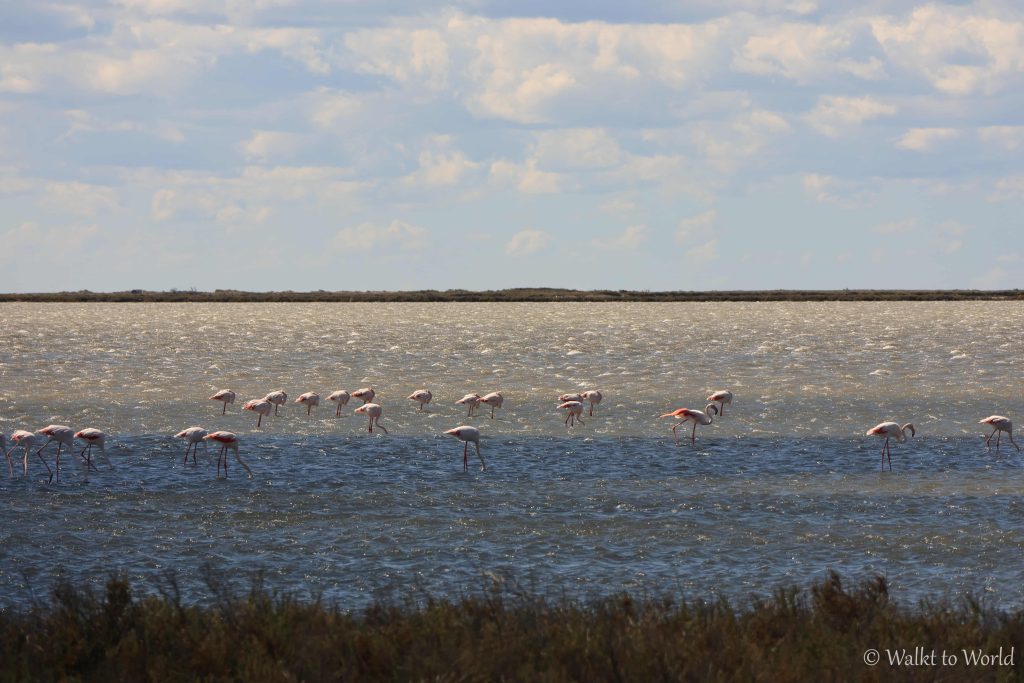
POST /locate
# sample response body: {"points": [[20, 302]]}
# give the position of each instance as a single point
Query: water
{"points": [[782, 488]]}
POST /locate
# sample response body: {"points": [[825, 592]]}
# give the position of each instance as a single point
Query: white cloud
{"points": [[695, 226], [1008, 188], [576, 148], [926, 139], [526, 242], [441, 169], [270, 145], [367, 237], [704, 252], [526, 177], [895, 227], [631, 238], [834, 115], [818, 185], [80, 198], [804, 53], [413, 57], [744, 136]]}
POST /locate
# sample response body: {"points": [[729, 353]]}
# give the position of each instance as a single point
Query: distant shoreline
{"points": [[541, 294]]}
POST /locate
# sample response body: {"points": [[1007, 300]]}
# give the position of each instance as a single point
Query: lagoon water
{"points": [[781, 489]]}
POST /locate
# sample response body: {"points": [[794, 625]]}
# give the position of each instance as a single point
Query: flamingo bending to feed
{"points": [[575, 412], [891, 430], [697, 417], [374, 411], [467, 434], [721, 398], [193, 436], [26, 440], [494, 400], [471, 400], [226, 440], [226, 396], [261, 406], [571, 397], [277, 398], [593, 397], [310, 400], [93, 437], [365, 394], [421, 396], [64, 436], [999, 425], [341, 398]]}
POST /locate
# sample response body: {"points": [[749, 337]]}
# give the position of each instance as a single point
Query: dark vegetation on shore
{"points": [[539, 294], [818, 634]]}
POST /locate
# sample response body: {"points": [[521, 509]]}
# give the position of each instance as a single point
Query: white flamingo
{"points": [[593, 397], [278, 398], [721, 398], [28, 441], [226, 396], [93, 437], [365, 394], [891, 430], [421, 396], [193, 436], [999, 425], [261, 406], [341, 398], [471, 400], [310, 400], [494, 400], [227, 441], [697, 417], [467, 434], [564, 398], [374, 411], [574, 411], [64, 436]]}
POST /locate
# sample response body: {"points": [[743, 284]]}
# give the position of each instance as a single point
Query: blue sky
{"points": [[301, 144]]}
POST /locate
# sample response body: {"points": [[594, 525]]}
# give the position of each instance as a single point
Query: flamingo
{"points": [[226, 396], [422, 396], [365, 394], [494, 400], [258, 405], [374, 411], [226, 440], [467, 434], [310, 400], [697, 417], [721, 398], [341, 398], [571, 397], [593, 397], [93, 437], [999, 424], [575, 412], [890, 430], [26, 440], [64, 436], [471, 400], [278, 398], [193, 436]]}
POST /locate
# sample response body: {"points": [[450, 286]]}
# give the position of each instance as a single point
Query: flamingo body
{"points": [[593, 397], [891, 430], [93, 437], [574, 412], [721, 398], [64, 436], [466, 434], [228, 441], [373, 411], [193, 436], [999, 425], [365, 394], [471, 400], [260, 406], [341, 398], [277, 398], [310, 400], [421, 396], [697, 417], [494, 400], [27, 440], [225, 396]]}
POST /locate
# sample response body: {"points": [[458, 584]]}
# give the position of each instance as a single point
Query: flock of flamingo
{"points": [[572, 403]]}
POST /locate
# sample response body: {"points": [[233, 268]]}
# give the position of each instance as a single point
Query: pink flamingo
{"points": [[593, 397], [721, 398], [571, 397], [277, 398], [93, 437], [226, 396], [494, 400], [26, 440], [227, 440], [999, 425], [258, 405], [574, 411], [421, 396], [194, 436], [890, 430], [310, 400], [341, 398], [365, 394], [64, 436], [697, 417], [467, 434], [471, 400], [374, 411]]}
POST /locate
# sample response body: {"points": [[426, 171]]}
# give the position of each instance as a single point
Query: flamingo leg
{"points": [[224, 410], [46, 465], [483, 465], [999, 434], [693, 434], [259, 421], [465, 457], [308, 408], [492, 412], [371, 426], [988, 439], [58, 461]]}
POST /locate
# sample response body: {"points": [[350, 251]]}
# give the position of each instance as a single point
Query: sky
{"points": [[476, 144]]}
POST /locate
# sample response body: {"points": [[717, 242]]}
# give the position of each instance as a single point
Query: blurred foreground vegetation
{"points": [[523, 294], [816, 634]]}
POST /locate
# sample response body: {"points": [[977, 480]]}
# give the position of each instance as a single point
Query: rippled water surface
{"points": [[782, 488]]}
